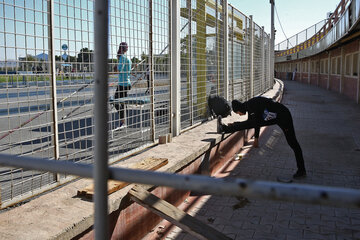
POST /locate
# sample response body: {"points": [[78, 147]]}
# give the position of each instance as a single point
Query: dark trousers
{"points": [[121, 92], [148, 81], [285, 122]]}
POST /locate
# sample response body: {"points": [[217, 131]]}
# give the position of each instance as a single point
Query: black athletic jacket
{"points": [[262, 112]]}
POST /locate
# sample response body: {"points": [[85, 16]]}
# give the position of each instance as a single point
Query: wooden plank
{"points": [[174, 215], [149, 164]]}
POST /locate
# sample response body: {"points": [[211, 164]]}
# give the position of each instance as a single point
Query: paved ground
{"points": [[328, 130]]}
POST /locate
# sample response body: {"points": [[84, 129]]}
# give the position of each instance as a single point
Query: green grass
{"points": [[17, 78]]}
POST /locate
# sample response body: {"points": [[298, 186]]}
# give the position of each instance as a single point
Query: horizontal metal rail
{"points": [[305, 193]]}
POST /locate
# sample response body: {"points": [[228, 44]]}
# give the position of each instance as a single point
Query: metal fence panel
{"points": [[56, 121], [161, 29], [26, 113], [240, 58], [188, 15], [74, 55], [258, 55]]}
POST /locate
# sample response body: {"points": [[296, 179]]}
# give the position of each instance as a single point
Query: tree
{"points": [[86, 58], [85, 55], [30, 62]]}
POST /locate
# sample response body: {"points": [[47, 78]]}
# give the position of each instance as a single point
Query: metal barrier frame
{"points": [[304, 193], [58, 110], [101, 172]]}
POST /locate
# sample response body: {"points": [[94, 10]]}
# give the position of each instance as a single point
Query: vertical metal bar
{"points": [[191, 104], [53, 79], [251, 28], [272, 42], [217, 48], [6, 44], [201, 63], [271, 76], [232, 52], [175, 67], [141, 122], [226, 49], [269, 79], [262, 59], [247, 58], [101, 118], [151, 70]]}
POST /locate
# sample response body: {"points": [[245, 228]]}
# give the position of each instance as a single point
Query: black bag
{"points": [[219, 106]]}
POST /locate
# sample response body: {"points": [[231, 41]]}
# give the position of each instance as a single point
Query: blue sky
{"points": [[295, 16]]}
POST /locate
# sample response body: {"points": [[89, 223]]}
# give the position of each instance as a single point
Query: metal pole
{"points": [[53, 79], [217, 49], [272, 41], [262, 87], [175, 67], [190, 71], [251, 28], [305, 193], [270, 52], [100, 170], [226, 49], [232, 55], [151, 70]]}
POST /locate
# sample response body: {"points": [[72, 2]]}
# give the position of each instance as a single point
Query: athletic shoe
{"points": [[122, 125], [219, 125], [299, 174]]}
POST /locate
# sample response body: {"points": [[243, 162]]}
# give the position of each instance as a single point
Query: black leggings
{"points": [[285, 122], [121, 92], [287, 127]]}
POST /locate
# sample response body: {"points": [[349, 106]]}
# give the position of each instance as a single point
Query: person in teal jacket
{"points": [[124, 84]]}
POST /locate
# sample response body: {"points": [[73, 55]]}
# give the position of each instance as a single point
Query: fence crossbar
{"points": [[304, 193]]}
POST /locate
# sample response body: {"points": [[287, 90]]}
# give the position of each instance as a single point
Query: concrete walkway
{"points": [[328, 129]]}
